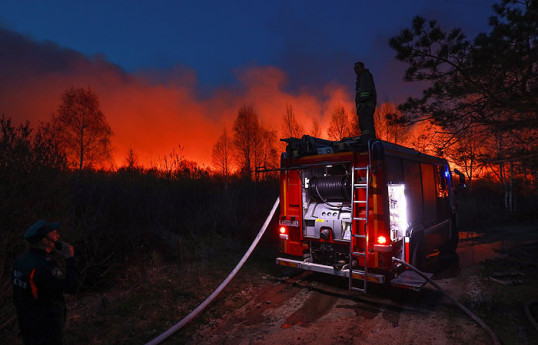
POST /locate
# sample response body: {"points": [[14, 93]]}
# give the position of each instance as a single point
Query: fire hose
{"points": [[482, 324], [163, 336]]}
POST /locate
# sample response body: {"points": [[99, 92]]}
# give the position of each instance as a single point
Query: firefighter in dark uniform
{"points": [[39, 285], [365, 99]]}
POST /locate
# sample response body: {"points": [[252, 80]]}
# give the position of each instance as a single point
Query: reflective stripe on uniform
{"points": [[32, 284]]}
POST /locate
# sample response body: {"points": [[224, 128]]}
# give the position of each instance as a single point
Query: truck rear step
{"points": [[309, 266]]}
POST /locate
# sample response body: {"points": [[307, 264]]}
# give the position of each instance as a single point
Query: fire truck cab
{"points": [[347, 209]]}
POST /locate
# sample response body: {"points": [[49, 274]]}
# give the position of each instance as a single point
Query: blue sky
{"points": [[314, 42]]}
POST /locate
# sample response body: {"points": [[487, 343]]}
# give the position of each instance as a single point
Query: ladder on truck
{"points": [[360, 180]]}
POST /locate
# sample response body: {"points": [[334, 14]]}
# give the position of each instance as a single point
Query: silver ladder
{"points": [[356, 234]]}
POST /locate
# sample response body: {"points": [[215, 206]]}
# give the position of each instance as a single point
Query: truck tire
{"points": [[418, 250]]}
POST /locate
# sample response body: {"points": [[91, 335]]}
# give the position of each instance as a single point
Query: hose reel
{"points": [[331, 188]]}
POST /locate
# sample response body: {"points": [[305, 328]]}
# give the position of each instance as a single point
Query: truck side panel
{"points": [[290, 213]]}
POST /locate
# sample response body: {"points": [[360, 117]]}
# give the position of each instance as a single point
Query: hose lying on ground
{"points": [[159, 339], [493, 336]]}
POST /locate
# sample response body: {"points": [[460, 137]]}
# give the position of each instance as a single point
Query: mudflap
{"points": [[409, 279]]}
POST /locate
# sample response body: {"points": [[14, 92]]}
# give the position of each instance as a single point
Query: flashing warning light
{"points": [[282, 230], [382, 240]]}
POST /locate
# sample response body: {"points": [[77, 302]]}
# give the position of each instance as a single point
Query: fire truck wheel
{"points": [[418, 251]]}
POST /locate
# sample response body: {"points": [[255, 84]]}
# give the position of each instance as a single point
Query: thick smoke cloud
{"points": [[151, 112]]}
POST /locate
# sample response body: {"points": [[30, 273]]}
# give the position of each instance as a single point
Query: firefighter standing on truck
{"points": [[365, 99], [39, 285]]}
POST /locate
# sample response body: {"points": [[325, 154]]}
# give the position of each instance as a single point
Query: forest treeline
{"points": [[119, 218]]}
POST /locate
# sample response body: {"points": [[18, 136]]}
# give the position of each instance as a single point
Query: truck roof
{"points": [[311, 146]]}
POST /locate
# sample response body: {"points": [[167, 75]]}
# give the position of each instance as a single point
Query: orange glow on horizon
{"points": [[153, 113], [153, 119]]}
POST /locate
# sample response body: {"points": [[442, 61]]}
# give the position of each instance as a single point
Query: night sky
{"points": [[175, 72]]}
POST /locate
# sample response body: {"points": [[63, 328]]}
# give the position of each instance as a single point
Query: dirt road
{"points": [[312, 308]]}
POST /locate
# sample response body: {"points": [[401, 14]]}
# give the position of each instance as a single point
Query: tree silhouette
{"points": [[222, 155], [290, 126], [491, 82], [253, 145], [246, 135], [81, 128], [265, 151], [20, 151], [316, 129], [486, 88], [173, 164], [131, 160], [340, 125], [388, 124]]}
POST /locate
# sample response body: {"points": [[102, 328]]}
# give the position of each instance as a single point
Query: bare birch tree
{"points": [[340, 126], [246, 132], [290, 126], [222, 155], [81, 128]]}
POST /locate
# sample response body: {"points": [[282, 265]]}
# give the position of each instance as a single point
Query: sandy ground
{"points": [[312, 308]]}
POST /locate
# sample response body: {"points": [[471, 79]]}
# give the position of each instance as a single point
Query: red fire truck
{"points": [[347, 209]]}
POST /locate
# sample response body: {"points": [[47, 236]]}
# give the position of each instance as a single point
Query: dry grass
{"points": [[150, 297]]}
